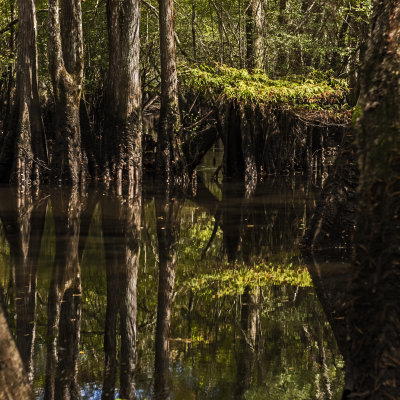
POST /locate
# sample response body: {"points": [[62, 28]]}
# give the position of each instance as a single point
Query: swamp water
{"points": [[245, 320]]}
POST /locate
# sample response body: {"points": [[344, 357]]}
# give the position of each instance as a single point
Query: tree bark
{"points": [[171, 165], [23, 158], [254, 36], [65, 48], [122, 146], [374, 321]]}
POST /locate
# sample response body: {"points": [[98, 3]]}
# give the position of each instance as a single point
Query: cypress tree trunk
{"points": [[65, 47], [170, 161], [122, 145], [374, 326], [254, 37], [23, 157]]}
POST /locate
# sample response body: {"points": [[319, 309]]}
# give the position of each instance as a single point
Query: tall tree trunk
{"points": [[122, 145], [171, 165], [23, 158], [254, 36], [14, 384], [374, 326], [168, 232], [65, 48]]}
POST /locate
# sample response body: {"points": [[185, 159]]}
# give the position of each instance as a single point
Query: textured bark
{"points": [[121, 229], [374, 320], [254, 35], [122, 146], [65, 48], [168, 232], [23, 157], [14, 384], [170, 160], [64, 301]]}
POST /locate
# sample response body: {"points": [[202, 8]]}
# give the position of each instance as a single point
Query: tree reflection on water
{"points": [[103, 329]]}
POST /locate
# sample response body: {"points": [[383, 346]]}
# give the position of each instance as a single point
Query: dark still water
{"points": [[80, 285]]}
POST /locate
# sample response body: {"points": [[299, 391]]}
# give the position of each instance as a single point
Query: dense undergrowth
{"points": [[315, 92]]}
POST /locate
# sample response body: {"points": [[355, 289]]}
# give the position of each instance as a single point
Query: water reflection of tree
{"points": [[64, 300], [13, 381], [23, 218], [263, 226], [121, 230], [236, 225], [168, 206]]}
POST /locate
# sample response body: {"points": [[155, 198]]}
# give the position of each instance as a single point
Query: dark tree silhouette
{"points": [[374, 318]]}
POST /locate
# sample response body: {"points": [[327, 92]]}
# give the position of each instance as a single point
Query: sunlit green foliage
{"points": [[257, 88]]}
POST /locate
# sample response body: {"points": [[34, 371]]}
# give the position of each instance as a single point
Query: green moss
{"points": [[312, 93]]}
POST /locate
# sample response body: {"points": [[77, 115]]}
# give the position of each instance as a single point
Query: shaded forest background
{"points": [[296, 38]]}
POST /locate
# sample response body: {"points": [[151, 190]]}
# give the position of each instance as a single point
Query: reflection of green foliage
{"points": [[194, 237], [206, 345], [228, 281]]}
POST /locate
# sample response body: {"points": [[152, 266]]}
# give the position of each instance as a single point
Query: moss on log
{"points": [[325, 98]]}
